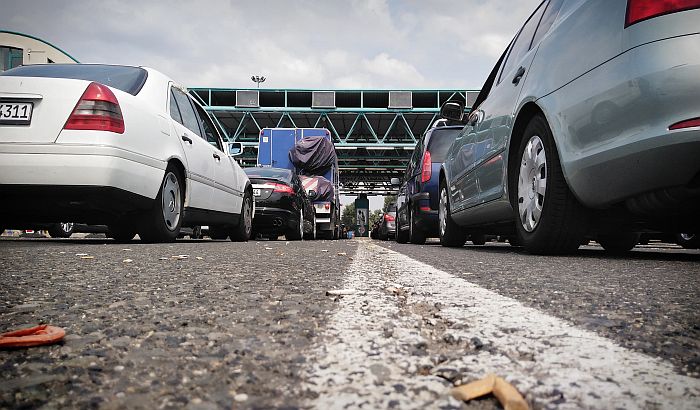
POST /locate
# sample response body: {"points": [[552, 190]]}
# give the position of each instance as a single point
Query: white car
{"points": [[120, 146]]}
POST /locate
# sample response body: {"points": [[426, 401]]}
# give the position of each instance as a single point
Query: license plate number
{"points": [[256, 191], [15, 113]]}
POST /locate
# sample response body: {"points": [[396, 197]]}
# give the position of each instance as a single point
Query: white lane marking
{"points": [[543, 356]]}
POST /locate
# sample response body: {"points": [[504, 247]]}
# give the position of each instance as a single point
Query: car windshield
{"points": [[391, 208], [440, 142], [279, 174], [127, 79]]}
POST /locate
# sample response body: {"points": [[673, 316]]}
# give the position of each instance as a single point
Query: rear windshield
{"points": [[391, 208], [440, 142], [128, 79], [279, 174]]}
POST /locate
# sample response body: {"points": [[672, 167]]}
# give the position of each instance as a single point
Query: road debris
{"points": [[81, 254], [180, 256], [33, 336], [341, 292], [268, 248], [506, 394], [87, 257], [128, 260], [199, 258], [342, 254]]}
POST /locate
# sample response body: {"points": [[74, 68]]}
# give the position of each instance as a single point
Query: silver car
{"points": [[588, 127]]}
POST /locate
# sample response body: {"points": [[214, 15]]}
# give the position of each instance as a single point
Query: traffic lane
{"points": [[646, 301], [147, 326]]}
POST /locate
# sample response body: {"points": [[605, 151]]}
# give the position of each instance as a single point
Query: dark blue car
{"points": [[417, 201]]}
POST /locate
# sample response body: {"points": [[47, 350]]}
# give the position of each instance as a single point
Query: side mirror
{"points": [[452, 110], [235, 149], [395, 182], [312, 194]]}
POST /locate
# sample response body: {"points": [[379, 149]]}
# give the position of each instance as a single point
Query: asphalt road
{"points": [[214, 324]]}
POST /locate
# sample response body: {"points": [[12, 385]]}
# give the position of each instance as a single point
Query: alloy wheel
{"points": [[532, 183], [171, 201], [442, 211]]}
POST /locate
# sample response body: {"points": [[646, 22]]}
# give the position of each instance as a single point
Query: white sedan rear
{"points": [[119, 146]]}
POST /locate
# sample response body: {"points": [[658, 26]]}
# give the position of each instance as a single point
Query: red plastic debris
{"points": [[33, 336]]}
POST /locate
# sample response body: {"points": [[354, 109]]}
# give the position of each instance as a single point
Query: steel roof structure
{"points": [[374, 131]]}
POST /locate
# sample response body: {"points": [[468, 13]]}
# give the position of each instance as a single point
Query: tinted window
{"points": [[279, 174], [550, 14], [127, 79], [522, 43], [207, 125], [440, 142], [174, 111], [391, 208], [189, 117]]}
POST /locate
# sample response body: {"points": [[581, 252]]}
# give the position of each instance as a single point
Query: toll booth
{"points": [[362, 216]]}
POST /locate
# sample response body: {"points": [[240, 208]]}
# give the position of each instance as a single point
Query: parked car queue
{"points": [[577, 134]]}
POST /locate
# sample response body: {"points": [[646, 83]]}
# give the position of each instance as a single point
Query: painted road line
{"points": [[370, 353]]}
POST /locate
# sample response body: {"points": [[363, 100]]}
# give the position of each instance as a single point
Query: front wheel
{"points": [[162, 222], [450, 233], [688, 240], [549, 220], [61, 230], [415, 235], [619, 242], [242, 232]]}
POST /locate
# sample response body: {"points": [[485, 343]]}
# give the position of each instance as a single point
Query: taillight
{"points": [[695, 122], [427, 171], [640, 10], [282, 188], [388, 218], [98, 110], [327, 205]]}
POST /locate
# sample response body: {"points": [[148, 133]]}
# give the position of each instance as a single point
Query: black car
{"points": [[417, 201], [282, 206]]}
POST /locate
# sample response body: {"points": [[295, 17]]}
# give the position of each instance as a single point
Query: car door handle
{"points": [[518, 75], [216, 156], [186, 138]]}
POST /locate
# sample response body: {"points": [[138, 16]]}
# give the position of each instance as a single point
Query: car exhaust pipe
{"points": [[277, 222]]}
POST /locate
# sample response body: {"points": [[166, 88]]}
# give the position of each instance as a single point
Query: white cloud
{"points": [[295, 44]]}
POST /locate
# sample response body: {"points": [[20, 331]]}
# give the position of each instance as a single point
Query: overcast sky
{"points": [[330, 44], [323, 44]]}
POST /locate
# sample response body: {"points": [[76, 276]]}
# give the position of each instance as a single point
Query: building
{"points": [[22, 49]]}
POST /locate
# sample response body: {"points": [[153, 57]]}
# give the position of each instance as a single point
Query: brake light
{"points": [[424, 208], [388, 218], [282, 188], [97, 110], [695, 122], [640, 10], [427, 171], [327, 205]]}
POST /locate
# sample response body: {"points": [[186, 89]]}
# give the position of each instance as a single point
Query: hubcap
{"points": [[442, 211], [67, 226], [171, 201], [687, 236], [247, 217], [301, 224], [532, 183]]}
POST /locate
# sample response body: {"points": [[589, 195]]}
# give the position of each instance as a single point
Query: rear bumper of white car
{"points": [[40, 181]]}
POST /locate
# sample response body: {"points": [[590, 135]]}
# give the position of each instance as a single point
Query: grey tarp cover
{"points": [[313, 155], [322, 186]]}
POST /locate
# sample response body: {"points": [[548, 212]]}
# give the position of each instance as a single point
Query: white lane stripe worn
{"points": [[356, 364]]}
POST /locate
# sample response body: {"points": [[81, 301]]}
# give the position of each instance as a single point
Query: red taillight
{"points": [[427, 171], [639, 10], [695, 122], [424, 208], [282, 188], [388, 218], [98, 110]]}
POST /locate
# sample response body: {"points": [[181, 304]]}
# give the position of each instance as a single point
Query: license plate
{"points": [[256, 191], [15, 113]]}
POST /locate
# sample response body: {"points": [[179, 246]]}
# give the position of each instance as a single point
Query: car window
{"points": [[189, 117], [272, 173], [207, 125], [127, 79], [522, 42], [440, 142], [174, 111], [550, 14]]}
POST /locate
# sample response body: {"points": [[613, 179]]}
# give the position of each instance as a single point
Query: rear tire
{"points": [[478, 239], [218, 233], [121, 232], [688, 240], [311, 235], [242, 232], [297, 233], [549, 219], [451, 235], [162, 222], [618, 243], [402, 235], [61, 230], [415, 235]]}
